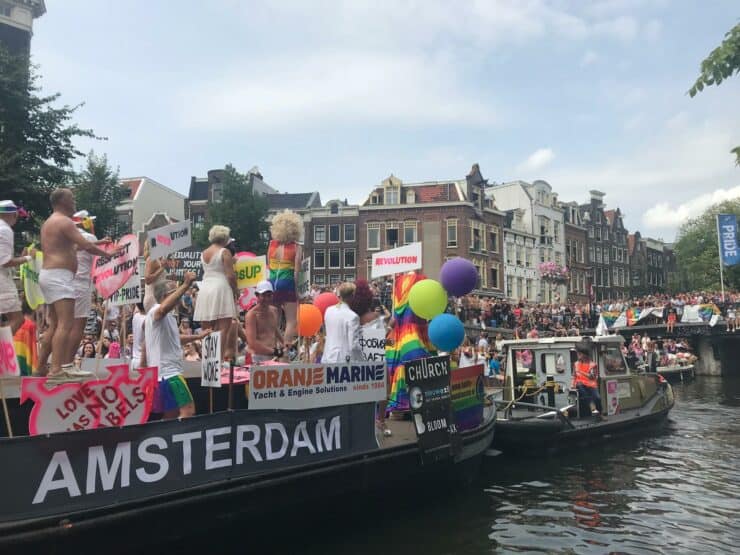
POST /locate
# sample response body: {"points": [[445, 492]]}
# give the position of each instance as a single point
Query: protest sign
{"points": [[248, 298], [109, 274], [115, 401], [132, 291], [210, 362], [168, 239], [428, 381], [468, 393], [250, 271], [30, 277], [187, 260], [396, 261], [304, 386], [8, 362], [373, 344], [303, 287]]}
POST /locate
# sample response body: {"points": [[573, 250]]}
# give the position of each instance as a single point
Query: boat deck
{"points": [[403, 433]]}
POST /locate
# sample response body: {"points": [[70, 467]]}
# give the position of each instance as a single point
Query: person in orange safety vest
{"points": [[585, 380]]}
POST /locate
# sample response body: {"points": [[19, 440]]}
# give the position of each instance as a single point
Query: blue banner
{"points": [[727, 234]]}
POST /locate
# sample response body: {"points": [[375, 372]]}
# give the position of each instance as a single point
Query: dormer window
{"points": [[334, 208], [410, 196], [391, 195]]}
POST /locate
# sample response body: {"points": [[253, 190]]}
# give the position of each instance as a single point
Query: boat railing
{"points": [[562, 413]]}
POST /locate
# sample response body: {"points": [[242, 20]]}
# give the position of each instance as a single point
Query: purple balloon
{"points": [[458, 276]]}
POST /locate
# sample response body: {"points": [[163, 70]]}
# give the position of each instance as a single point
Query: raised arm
{"points": [[173, 298], [70, 232]]}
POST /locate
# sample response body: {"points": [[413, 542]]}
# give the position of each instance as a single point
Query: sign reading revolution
{"points": [[396, 261]]}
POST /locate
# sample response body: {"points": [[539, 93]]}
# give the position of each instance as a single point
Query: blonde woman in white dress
{"points": [[216, 306]]}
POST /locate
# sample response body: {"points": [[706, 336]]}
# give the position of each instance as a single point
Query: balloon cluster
{"points": [[428, 300]]}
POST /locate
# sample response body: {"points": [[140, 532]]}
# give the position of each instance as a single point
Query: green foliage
{"points": [[97, 191], [722, 63], [697, 254], [36, 139], [241, 210]]}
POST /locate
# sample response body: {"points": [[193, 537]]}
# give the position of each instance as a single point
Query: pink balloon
{"points": [[324, 301], [246, 254], [110, 274]]}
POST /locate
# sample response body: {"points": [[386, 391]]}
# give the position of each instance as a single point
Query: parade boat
{"points": [[75, 489], [538, 408], [677, 372]]}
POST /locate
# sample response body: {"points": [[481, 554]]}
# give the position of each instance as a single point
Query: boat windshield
{"points": [[613, 361]]}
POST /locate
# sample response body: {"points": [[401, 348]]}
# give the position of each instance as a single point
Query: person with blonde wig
{"points": [[216, 306], [284, 259]]}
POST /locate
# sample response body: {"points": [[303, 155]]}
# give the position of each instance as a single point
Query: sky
{"points": [[336, 96]]}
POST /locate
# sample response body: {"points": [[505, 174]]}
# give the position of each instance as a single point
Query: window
{"points": [[475, 239], [319, 258], [375, 198], [335, 279], [494, 283], [319, 234], [613, 361], [391, 195], [217, 192], [615, 276], [368, 268], [542, 255], [598, 256], [349, 233], [6, 9], [528, 254], [409, 232], [528, 285], [606, 255], [580, 251], [319, 279], [494, 239], [349, 258], [410, 197], [391, 234], [556, 227], [198, 220], [598, 234], [334, 208], [334, 261], [334, 233], [590, 232], [373, 237], [349, 277], [519, 287], [519, 255], [510, 287], [452, 233]]}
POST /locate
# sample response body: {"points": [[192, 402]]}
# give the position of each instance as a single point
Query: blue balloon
{"points": [[446, 332]]}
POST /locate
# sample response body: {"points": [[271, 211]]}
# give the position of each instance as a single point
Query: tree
{"points": [[241, 209], [722, 63], [97, 191], [697, 254], [36, 139]]}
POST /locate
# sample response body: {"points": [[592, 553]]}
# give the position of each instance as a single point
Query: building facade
{"points": [[16, 24], [543, 218], [521, 279], [576, 240], [331, 242], [147, 197], [655, 266], [450, 218], [620, 264], [638, 264]]}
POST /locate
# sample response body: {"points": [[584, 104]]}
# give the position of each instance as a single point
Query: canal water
{"points": [[675, 490]]}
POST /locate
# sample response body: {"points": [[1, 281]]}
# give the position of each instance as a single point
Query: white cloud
{"points": [[537, 160], [666, 215], [337, 88], [589, 58]]}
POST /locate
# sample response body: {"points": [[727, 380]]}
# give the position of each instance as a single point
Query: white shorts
{"points": [[57, 284], [83, 299], [9, 300]]}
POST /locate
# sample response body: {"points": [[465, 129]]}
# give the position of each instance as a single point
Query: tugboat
{"points": [[538, 407]]}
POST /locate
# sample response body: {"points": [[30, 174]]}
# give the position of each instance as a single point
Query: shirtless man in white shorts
{"points": [[59, 237], [264, 340]]}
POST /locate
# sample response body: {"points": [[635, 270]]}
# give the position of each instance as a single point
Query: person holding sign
{"points": [[154, 273], [284, 259], [218, 292], [163, 349], [10, 303], [59, 241]]}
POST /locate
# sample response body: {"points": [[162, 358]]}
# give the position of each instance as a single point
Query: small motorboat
{"points": [[538, 408]]}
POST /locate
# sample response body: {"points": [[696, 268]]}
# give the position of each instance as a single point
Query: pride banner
{"points": [[727, 236], [467, 396]]}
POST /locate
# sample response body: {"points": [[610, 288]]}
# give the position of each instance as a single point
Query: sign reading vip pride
{"points": [[168, 239], [308, 386], [115, 401], [250, 271], [428, 380], [132, 291], [396, 261], [468, 393], [210, 364], [727, 232], [8, 361], [109, 274]]}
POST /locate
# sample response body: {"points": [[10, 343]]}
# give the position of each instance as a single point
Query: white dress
{"points": [[215, 298]]}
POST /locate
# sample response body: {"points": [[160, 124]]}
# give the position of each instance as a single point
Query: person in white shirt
{"points": [[137, 333], [343, 332], [163, 349], [10, 303], [483, 342]]}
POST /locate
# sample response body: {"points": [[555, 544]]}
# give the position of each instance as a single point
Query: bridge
{"points": [[717, 349]]}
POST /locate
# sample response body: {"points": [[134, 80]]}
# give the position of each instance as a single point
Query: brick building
{"points": [[576, 239], [331, 241], [450, 218]]}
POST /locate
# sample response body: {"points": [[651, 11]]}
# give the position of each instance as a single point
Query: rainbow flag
{"points": [[409, 341], [610, 317], [26, 350], [706, 311], [467, 396], [633, 315]]}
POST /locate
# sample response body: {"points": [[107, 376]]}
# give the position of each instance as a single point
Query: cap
{"points": [[263, 287], [8, 207], [81, 215]]}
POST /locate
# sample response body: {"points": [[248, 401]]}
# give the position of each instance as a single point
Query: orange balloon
{"points": [[309, 320]]}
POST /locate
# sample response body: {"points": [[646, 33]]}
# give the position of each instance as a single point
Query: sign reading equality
{"points": [[727, 232], [187, 260], [168, 239], [396, 261], [428, 380], [308, 386]]}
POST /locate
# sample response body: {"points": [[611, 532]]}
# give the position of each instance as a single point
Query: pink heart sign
{"points": [[110, 274]]}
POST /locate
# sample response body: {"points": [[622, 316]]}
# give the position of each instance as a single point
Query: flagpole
{"points": [[719, 252]]}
